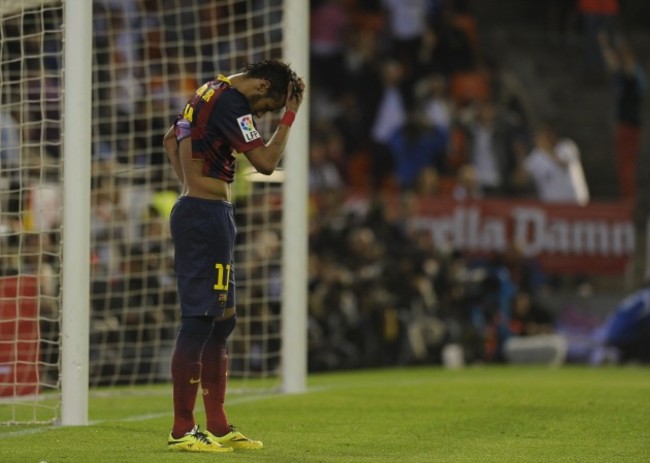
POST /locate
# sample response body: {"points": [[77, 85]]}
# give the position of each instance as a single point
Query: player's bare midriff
{"points": [[207, 187], [195, 183]]}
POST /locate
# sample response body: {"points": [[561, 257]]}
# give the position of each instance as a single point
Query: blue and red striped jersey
{"points": [[221, 124]]}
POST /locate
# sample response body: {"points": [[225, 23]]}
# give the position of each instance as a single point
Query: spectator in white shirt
{"points": [[555, 168]]}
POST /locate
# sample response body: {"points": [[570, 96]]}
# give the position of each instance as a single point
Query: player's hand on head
{"points": [[295, 93]]}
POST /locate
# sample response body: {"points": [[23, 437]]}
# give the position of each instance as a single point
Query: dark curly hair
{"points": [[278, 74]]}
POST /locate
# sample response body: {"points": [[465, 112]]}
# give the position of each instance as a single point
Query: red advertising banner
{"points": [[19, 336], [598, 238]]}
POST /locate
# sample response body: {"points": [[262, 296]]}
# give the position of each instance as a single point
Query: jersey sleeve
{"points": [[232, 117]]}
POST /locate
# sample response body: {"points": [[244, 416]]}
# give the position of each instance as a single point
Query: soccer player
{"points": [[217, 123], [625, 334]]}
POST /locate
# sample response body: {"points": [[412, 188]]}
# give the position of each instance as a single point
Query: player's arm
{"points": [[266, 158], [171, 148]]}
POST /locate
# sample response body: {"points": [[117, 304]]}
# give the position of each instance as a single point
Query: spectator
{"points": [[433, 92], [323, 173], [330, 23], [363, 89], [492, 147], [525, 272], [555, 168], [415, 147], [331, 344], [427, 183], [629, 90], [532, 337], [407, 22], [462, 306], [391, 116], [467, 185], [445, 47], [598, 17], [511, 95], [418, 303], [529, 317], [10, 142], [107, 225]]}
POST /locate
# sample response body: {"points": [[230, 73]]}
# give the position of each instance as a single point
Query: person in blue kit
{"points": [[217, 123], [625, 334]]}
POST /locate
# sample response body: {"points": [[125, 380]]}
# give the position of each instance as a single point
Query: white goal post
{"points": [[296, 193], [109, 202], [75, 277]]}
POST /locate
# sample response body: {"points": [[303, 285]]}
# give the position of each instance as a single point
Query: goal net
{"points": [[30, 232], [148, 58]]}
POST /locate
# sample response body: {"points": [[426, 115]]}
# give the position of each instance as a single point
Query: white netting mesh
{"points": [[149, 56], [30, 209], [10, 9]]}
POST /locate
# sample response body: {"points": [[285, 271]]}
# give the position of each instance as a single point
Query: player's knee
{"points": [[223, 328], [198, 327]]}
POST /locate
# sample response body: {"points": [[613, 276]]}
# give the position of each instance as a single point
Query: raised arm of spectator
{"points": [[610, 55]]}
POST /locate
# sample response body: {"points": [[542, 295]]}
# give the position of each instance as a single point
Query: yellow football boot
{"points": [[236, 440], [195, 441]]}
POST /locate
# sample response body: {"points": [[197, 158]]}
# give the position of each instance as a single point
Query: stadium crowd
{"points": [[405, 105]]}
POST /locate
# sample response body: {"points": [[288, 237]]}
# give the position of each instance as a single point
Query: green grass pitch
{"points": [[477, 414]]}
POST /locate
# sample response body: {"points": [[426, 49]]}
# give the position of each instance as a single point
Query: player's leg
{"points": [[214, 390], [215, 357], [186, 370], [194, 331], [186, 373], [214, 376]]}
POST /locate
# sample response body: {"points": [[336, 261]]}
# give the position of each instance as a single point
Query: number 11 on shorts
{"points": [[223, 277]]}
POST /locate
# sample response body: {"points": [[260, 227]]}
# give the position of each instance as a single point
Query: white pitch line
{"points": [[148, 416]]}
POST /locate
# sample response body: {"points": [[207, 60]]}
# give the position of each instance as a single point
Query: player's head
{"points": [[275, 77]]}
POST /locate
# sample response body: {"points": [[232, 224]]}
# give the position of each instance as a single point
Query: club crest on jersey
{"points": [[247, 128]]}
